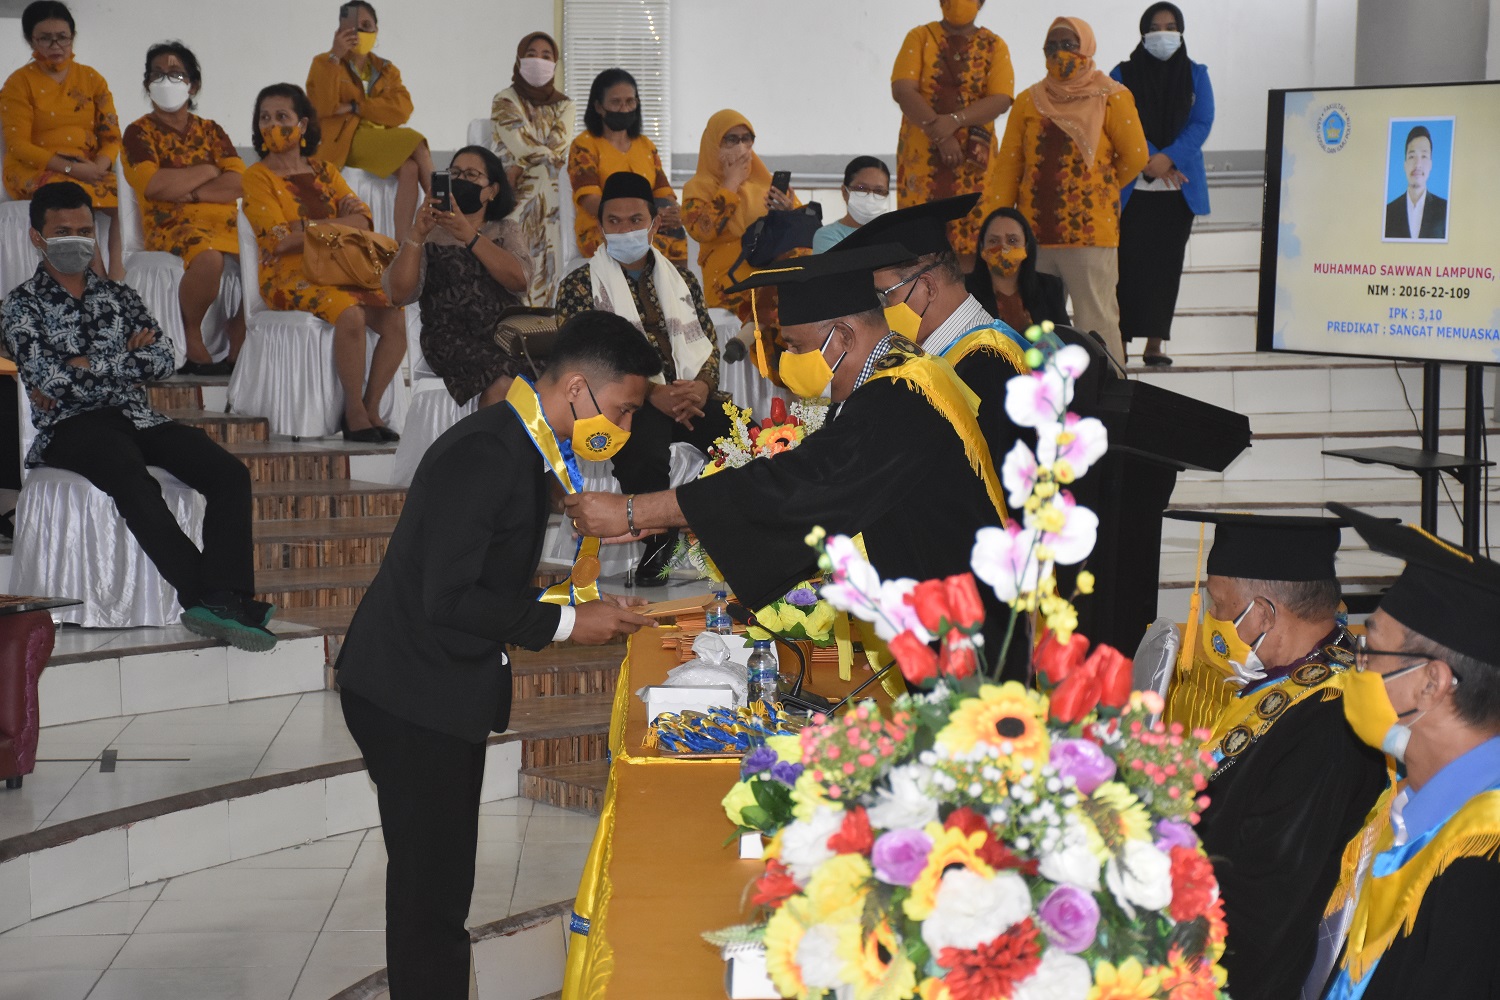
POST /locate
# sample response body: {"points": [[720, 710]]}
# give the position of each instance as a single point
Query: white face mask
{"points": [[1162, 44], [169, 95], [865, 206], [627, 248], [69, 254], [537, 72], [1253, 669]]}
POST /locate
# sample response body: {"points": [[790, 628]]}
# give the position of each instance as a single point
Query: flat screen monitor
{"points": [[1381, 229]]}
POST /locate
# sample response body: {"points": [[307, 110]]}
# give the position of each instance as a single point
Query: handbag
{"points": [[333, 254], [529, 331], [777, 233]]}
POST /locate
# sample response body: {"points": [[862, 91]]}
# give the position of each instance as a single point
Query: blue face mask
{"points": [[627, 248]]}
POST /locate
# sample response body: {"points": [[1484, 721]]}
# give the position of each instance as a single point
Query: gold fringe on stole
{"points": [[843, 639], [990, 341], [1388, 905], [1198, 707], [937, 383], [1361, 844], [1197, 699]]}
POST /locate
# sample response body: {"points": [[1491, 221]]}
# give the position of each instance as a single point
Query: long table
{"points": [[660, 872]]}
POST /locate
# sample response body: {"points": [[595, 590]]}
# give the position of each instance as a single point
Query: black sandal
{"points": [[1156, 360]]}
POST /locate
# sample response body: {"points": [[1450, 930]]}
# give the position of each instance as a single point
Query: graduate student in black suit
{"points": [[423, 671], [1293, 781], [1415, 913], [901, 457], [1417, 204]]}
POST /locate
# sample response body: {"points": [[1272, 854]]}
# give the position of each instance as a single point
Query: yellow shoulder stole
{"points": [[1245, 720], [1388, 904], [991, 341], [946, 392]]}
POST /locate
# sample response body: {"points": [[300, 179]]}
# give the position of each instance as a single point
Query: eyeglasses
{"points": [[176, 76], [748, 139], [1061, 45], [46, 41], [861, 189], [885, 292], [473, 176]]}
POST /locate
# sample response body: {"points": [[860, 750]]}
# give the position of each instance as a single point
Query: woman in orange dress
{"points": [[611, 142], [283, 192], [952, 79], [186, 173], [59, 122]]}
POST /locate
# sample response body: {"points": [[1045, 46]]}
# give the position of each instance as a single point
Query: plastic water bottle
{"points": [[719, 621], [764, 673]]}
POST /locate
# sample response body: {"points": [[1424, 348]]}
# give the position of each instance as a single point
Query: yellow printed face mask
{"points": [[1002, 260], [809, 375], [1226, 652], [596, 438], [365, 43]]}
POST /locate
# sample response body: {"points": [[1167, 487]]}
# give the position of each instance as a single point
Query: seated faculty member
{"points": [[1418, 214], [423, 673], [901, 437], [85, 346], [1415, 914], [636, 281], [1293, 781]]}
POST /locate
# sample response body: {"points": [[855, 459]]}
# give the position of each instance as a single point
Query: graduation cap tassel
{"points": [[761, 363], [1195, 611]]}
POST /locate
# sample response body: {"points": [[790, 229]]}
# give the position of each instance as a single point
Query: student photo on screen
{"points": [[1418, 171]]}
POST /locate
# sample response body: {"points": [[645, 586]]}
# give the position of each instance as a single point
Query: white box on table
{"points": [[661, 698], [745, 975]]}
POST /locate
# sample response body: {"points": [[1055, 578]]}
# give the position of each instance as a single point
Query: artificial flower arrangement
{"points": [[981, 840]]}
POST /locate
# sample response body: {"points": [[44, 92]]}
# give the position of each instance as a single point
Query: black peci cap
{"points": [[624, 184], [921, 229], [826, 285], [1269, 546], [1444, 594]]}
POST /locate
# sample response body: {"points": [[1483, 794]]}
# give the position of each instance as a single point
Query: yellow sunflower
{"points": [[1127, 981], [1002, 715], [949, 847], [838, 888], [933, 988], [1117, 815], [776, 440], [876, 965], [784, 932]]}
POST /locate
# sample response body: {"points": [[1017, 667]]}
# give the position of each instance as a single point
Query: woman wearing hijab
{"points": [[952, 79], [533, 126], [1176, 103], [1072, 142]]}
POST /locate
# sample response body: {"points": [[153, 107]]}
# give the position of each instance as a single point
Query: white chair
{"points": [[18, 258], [156, 276], [71, 541], [481, 132], [432, 410], [741, 379], [285, 371], [380, 194]]}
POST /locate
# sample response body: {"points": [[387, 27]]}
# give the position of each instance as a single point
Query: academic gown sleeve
{"points": [[986, 373], [1451, 950], [863, 464], [1276, 829]]}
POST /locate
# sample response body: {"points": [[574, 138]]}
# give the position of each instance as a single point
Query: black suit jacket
{"points": [[455, 587], [1434, 219], [1051, 300]]}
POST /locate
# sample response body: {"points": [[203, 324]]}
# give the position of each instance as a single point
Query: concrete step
{"points": [[579, 787], [1221, 245], [326, 499], [315, 586], [225, 428], [563, 670], [1219, 289], [316, 542]]}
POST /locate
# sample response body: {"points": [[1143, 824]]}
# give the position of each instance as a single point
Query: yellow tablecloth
{"points": [[659, 873]]}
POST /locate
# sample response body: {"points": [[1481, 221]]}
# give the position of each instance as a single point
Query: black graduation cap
{"points": [[625, 184], [1445, 594], [1269, 546], [921, 229], [826, 285]]}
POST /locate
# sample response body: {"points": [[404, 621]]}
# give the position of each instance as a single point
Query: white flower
{"points": [[1038, 398], [1068, 530], [1071, 446], [1018, 473], [818, 957], [1060, 976], [971, 910], [1069, 362], [906, 804], [804, 843], [1141, 875], [897, 615], [855, 582], [1005, 558], [1072, 864]]}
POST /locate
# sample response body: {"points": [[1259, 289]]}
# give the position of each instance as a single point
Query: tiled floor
{"points": [[297, 924], [166, 753]]}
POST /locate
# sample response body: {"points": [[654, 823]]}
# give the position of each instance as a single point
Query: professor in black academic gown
{"points": [[887, 463], [1293, 781], [423, 674]]}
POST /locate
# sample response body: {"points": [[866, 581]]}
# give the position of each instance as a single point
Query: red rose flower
{"points": [[965, 606], [992, 852], [1075, 698], [993, 969], [1194, 887], [854, 836], [774, 887], [778, 410], [931, 604], [1055, 661], [958, 659], [919, 664], [1115, 673]]}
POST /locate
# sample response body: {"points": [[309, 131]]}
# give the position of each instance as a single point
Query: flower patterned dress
{"points": [[41, 118], [272, 204], [951, 72], [535, 137], [182, 228], [591, 161]]}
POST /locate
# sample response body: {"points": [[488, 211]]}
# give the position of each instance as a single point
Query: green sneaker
{"points": [[217, 622]]}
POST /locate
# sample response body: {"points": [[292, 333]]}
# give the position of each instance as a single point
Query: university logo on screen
{"points": [[1334, 126]]}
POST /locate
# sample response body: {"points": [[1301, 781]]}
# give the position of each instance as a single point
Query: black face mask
{"points": [[621, 121], [466, 195]]}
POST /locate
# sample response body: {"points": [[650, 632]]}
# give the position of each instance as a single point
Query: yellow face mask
{"points": [[960, 12], [365, 44], [903, 320], [596, 438], [809, 375], [1004, 261], [1224, 650]]}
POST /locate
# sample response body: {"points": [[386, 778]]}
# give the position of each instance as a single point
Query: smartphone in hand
{"points": [[442, 190], [348, 17], [781, 180]]}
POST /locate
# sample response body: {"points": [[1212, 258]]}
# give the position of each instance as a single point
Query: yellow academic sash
{"points": [[582, 583], [991, 341], [1247, 719]]}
